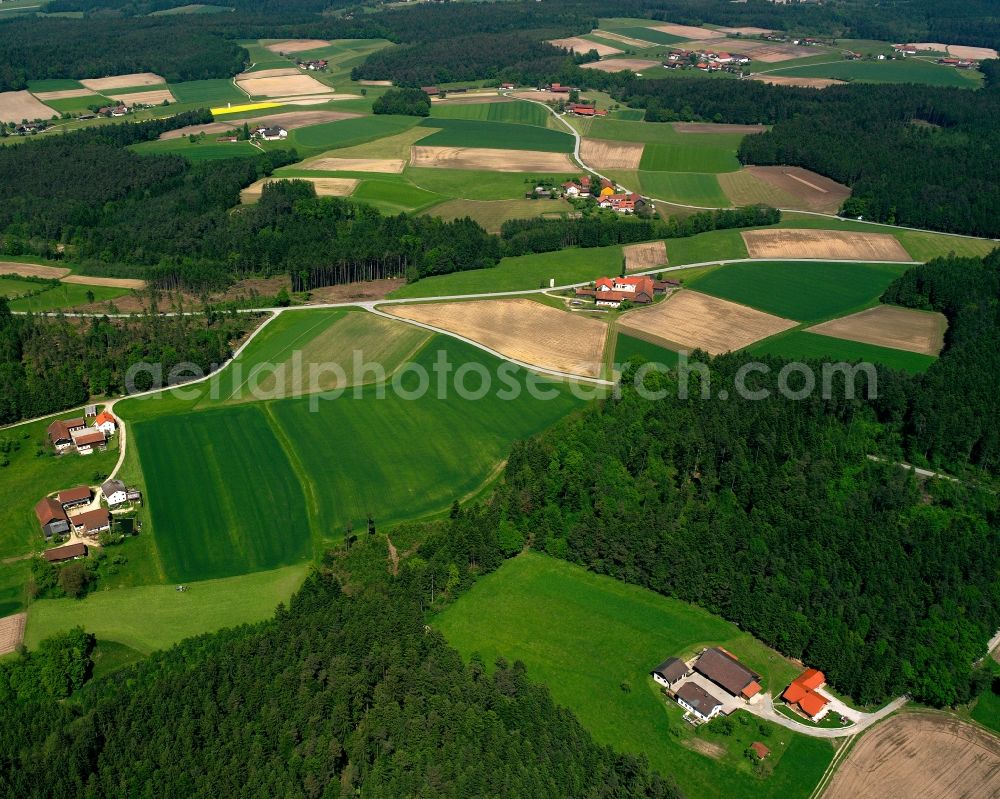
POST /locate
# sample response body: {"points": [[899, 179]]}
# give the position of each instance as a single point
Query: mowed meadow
{"points": [[237, 484]]}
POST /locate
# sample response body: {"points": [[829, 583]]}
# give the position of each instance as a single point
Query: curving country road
{"points": [[764, 708]]}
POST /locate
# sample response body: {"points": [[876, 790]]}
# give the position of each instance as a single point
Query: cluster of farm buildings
{"points": [[698, 684], [706, 61], [74, 434], [611, 292], [604, 192], [959, 63], [314, 65]]}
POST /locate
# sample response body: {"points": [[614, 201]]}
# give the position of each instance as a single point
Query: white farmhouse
{"points": [[114, 492], [698, 701]]}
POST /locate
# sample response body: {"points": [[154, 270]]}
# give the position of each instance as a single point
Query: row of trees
{"points": [[48, 364], [407, 102]]}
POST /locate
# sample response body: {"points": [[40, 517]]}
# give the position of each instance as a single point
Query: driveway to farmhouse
{"points": [[862, 721]]}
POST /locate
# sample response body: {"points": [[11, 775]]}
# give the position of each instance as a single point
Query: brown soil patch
{"points": [[890, 326], [747, 31], [287, 120], [628, 40], [611, 155], [975, 53], [685, 31], [32, 270], [11, 632], [325, 187], [935, 47], [375, 82], [703, 747], [712, 127], [521, 329], [828, 244], [153, 97], [123, 81], [621, 64], [348, 292], [488, 158], [477, 98], [269, 73], [384, 165], [920, 756], [65, 94], [313, 99], [15, 106], [639, 257], [282, 85], [805, 83], [297, 45], [114, 282], [812, 192], [578, 45], [692, 320]]}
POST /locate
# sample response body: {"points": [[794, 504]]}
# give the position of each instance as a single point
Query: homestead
{"points": [[693, 685], [726, 671], [86, 440], [68, 552], [51, 517], [802, 694], [670, 671], [611, 292], [91, 522], [61, 432], [74, 497], [696, 700]]}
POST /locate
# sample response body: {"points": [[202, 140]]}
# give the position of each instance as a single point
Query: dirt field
{"points": [[812, 192], [685, 31], [804, 83], [488, 158], [603, 154], [114, 282], [831, 244], [747, 31], [288, 120], [31, 270], [375, 82], [890, 326], [521, 329], [976, 53], [697, 321], [314, 99], [123, 81], [11, 632], [627, 40], [711, 127], [541, 97], [578, 45], [153, 97], [639, 257], [349, 292], [65, 94], [15, 106], [282, 85], [472, 98], [297, 45], [744, 188], [384, 165], [269, 73], [936, 47], [920, 756], [619, 64], [325, 187]]}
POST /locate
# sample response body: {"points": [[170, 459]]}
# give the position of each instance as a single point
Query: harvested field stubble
{"points": [[920, 756], [639, 257], [325, 187], [813, 192], [828, 244], [32, 270], [288, 119], [282, 86], [628, 40], [491, 159], [577, 45], [611, 155], [621, 64], [791, 80], [685, 31], [11, 632], [64, 94], [890, 326], [113, 282], [297, 45], [383, 165], [692, 320], [152, 97], [123, 81], [15, 106], [521, 329]]}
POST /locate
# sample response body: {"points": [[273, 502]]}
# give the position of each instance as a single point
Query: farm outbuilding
{"points": [[68, 552], [695, 699], [670, 671], [51, 517], [723, 669]]}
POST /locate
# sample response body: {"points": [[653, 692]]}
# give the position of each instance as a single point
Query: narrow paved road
{"points": [[764, 709]]}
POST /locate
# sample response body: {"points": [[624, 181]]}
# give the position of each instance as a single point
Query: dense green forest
{"points": [[337, 696], [51, 363], [406, 102], [953, 409]]}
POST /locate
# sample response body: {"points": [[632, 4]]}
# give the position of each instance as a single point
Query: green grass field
{"points": [[626, 130], [66, 295], [807, 291], [802, 345], [501, 135], [395, 196], [646, 34], [693, 152], [491, 214], [713, 245], [987, 708], [519, 112], [77, 105], [472, 184], [908, 70], [12, 287], [154, 617], [631, 347], [53, 85], [345, 132], [522, 273], [584, 635], [206, 149], [209, 92], [687, 188]]}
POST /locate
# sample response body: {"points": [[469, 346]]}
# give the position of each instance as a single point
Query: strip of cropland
{"points": [[594, 640]]}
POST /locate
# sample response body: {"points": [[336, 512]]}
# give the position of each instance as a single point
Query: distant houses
{"points": [[611, 292], [622, 203], [271, 134], [314, 65], [585, 110]]}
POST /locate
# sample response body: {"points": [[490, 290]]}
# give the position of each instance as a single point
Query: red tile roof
{"points": [[77, 494], [89, 438], [812, 703], [794, 692], [103, 417], [48, 510], [67, 552], [811, 679], [93, 519], [751, 690], [761, 750]]}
